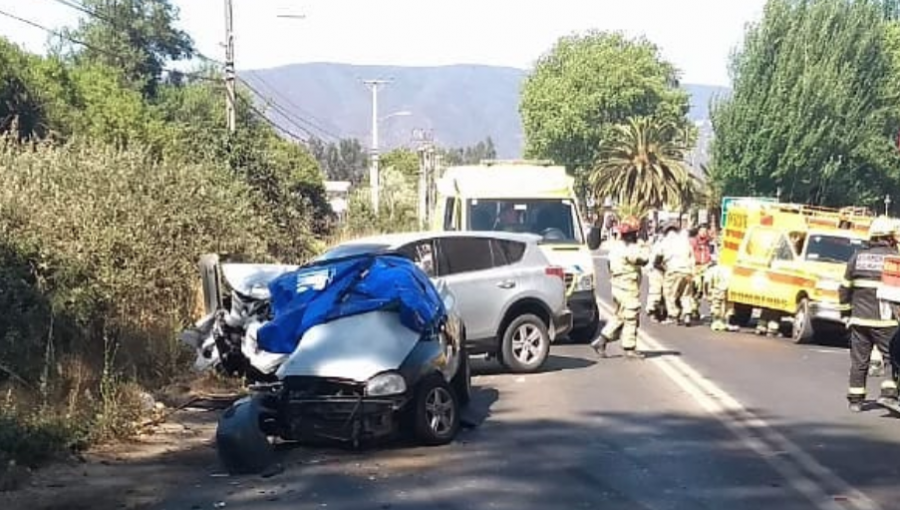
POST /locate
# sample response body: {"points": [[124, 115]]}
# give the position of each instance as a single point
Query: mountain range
{"points": [[455, 105]]}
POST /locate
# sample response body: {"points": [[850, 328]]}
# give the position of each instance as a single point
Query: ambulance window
{"points": [[449, 211], [784, 250]]}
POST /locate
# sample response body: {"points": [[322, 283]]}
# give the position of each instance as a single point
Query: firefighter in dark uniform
{"points": [[872, 322]]}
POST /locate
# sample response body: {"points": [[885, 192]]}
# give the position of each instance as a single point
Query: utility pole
{"points": [[426, 172], [230, 97], [373, 165]]}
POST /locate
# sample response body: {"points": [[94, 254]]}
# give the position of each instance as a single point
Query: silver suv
{"points": [[511, 299]]}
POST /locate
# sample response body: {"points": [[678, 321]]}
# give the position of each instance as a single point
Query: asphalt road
{"points": [[709, 421]]}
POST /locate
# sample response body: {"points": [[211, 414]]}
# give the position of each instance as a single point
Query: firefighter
{"points": [[626, 258], [656, 275], [678, 259], [700, 243], [872, 322]]}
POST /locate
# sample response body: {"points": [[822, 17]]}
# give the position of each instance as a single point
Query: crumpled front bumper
{"points": [[345, 419]]}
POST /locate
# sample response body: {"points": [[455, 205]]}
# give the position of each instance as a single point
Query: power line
{"points": [[268, 121], [284, 111], [274, 91], [279, 109], [92, 47], [80, 7]]}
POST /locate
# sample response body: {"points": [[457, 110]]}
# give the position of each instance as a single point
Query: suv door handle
{"points": [[506, 284]]}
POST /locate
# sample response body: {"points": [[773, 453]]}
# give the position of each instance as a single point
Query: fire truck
{"points": [[787, 260]]}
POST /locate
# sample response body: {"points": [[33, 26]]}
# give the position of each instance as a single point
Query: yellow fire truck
{"points": [[788, 260]]}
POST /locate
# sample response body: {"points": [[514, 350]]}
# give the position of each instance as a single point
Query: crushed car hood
{"points": [[355, 347], [253, 279]]}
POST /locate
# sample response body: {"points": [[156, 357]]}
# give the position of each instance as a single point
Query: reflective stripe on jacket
{"points": [[862, 279]]}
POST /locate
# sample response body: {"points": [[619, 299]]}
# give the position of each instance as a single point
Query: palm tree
{"points": [[641, 166]]}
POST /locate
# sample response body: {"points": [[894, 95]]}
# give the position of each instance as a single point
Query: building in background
{"points": [[338, 194]]}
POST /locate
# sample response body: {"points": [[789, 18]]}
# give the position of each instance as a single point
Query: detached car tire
{"points": [[242, 445], [462, 381], [435, 412], [525, 345]]}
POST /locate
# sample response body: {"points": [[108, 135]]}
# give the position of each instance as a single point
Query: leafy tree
{"points": [[814, 110], [641, 166], [403, 160], [471, 155], [137, 36], [346, 160], [589, 83]]}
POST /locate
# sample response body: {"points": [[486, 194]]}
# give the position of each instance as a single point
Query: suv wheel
{"points": [[526, 344]]}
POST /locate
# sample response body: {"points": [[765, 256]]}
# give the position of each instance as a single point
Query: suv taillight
{"points": [[556, 271]]}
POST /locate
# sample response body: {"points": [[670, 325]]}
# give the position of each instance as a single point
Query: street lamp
{"points": [[887, 204]]}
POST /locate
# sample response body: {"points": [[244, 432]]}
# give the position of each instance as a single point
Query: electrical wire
{"points": [[271, 123], [92, 47], [80, 7], [317, 125], [278, 109]]}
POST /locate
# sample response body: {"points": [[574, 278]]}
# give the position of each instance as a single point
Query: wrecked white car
{"points": [[347, 349]]}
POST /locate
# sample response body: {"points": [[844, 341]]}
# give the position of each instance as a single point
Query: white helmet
{"points": [[882, 226]]}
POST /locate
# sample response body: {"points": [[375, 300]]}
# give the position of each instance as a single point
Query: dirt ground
{"points": [[128, 475]]}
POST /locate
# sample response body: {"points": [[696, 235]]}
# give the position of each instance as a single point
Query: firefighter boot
{"points": [[718, 325], [889, 393], [599, 345]]}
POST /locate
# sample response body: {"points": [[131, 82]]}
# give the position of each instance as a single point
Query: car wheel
{"points": [[526, 344], [802, 330], [241, 441], [742, 315], [436, 419], [462, 381]]}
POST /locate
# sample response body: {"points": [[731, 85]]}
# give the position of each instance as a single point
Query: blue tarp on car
{"points": [[326, 291]]}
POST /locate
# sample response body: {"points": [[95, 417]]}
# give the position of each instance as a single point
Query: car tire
{"points": [[527, 325], [802, 331], [462, 381], [434, 398], [242, 444], [742, 315]]}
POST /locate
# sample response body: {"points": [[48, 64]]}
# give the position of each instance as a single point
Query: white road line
{"points": [[801, 470]]}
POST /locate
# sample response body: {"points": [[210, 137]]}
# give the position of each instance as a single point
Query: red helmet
{"points": [[629, 225]]}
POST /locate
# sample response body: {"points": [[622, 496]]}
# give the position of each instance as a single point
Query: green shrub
{"points": [[98, 254]]}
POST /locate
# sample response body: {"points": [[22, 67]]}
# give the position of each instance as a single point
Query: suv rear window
{"points": [[465, 254], [507, 252]]}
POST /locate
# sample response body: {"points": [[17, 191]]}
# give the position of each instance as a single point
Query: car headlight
{"points": [[382, 385], [829, 285], [584, 282]]}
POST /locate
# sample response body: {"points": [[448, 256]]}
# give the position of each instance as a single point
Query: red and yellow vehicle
{"points": [[788, 261]]}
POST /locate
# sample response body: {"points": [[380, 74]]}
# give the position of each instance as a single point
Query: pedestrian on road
{"points": [[626, 258], [678, 259], [872, 322]]}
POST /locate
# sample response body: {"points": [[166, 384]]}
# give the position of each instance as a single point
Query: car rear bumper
{"points": [[583, 306]]}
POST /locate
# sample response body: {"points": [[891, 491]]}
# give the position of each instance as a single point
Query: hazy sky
{"points": [[696, 35]]}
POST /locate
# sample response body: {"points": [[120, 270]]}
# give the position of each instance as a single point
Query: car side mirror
{"points": [[594, 238]]}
